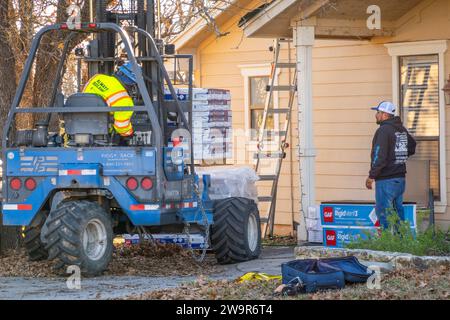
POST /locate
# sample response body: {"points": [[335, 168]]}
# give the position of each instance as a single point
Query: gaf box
{"points": [[339, 237], [358, 214]]}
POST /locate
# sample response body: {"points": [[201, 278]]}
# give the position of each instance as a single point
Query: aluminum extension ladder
{"points": [[274, 157]]}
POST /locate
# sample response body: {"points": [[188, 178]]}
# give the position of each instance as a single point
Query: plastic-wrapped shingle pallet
{"points": [[311, 275], [230, 181]]}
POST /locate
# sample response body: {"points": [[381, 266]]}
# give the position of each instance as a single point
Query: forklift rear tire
{"points": [[32, 238], [80, 233], [236, 231]]}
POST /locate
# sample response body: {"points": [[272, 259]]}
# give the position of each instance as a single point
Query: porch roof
{"points": [[332, 19]]}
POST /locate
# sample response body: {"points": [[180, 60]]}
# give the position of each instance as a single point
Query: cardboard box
{"points": [[313, 212], [313, 224], [315, 236], [197, 140], [358, 214], [217, 140], [201, 107], [211, 121], [339, 236]]}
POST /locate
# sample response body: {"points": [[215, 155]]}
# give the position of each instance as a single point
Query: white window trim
{"points": [[438, 47], [256, 70]]}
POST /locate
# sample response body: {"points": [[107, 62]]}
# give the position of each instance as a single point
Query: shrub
{"points": [[399, 237]]}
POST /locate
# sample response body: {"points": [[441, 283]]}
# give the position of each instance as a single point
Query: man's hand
{"points": [[369, 183]]}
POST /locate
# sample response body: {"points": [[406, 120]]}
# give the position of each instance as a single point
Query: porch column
{"points": [[303, 41]]}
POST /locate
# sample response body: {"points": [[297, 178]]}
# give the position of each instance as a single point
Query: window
{"points": [[427, 119], [255, 79], [419, 109], [257, 94]]}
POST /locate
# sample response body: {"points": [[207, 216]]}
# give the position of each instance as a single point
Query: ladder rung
{"points": [[265, 199], [263, 220], [278, 110], [282, 88], [286, 65], [285, 40], [269, 155], [273, 133], [267, 177]]}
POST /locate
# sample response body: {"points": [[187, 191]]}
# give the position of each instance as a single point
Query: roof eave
{"points": [[198, 26], [266, 15]]}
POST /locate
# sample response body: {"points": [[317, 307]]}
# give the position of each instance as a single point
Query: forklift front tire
{"points": [[236, 232]]}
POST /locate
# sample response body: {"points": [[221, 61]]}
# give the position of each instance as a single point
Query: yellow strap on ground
{"points": [[258, 276]]}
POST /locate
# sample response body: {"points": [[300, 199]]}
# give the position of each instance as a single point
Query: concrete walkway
{"points": [[107, 287]]}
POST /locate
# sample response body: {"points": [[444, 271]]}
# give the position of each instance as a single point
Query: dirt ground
{"points": [[136, 260], [398, 285], [169, 272], [133, 271]]}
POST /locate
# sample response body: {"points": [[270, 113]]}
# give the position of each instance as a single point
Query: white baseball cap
{"points": [[385, 106]]}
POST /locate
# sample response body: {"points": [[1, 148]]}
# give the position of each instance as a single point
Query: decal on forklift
{"points": [[113, 162], [144, 207], [8, 207], [38, 163], [180, 205], [83, 172]]}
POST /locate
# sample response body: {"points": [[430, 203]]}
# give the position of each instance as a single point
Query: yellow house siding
{"points": [[348, 78], [220, 61]]}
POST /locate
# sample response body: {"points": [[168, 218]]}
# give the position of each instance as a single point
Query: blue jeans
{"points": [[389, 194]]}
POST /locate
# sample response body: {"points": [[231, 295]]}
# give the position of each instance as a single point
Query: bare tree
{"points": [[19, 19], [8, 236], [177, 15]]}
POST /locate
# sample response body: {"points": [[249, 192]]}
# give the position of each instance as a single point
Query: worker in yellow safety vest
{"points": [[113, 90]]}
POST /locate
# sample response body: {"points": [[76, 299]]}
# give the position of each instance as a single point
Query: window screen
{"points": [[419, 107]]}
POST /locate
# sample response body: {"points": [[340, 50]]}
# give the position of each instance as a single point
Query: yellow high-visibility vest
{"points": [[115, 95]]}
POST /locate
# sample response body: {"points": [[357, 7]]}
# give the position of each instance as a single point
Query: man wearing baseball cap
{"points": [[391, 147]]}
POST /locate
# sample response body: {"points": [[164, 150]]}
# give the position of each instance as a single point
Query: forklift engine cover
{"points": [[86, 123]]}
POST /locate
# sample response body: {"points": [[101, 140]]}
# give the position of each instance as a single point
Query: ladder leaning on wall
{"points": [[274, 158]]}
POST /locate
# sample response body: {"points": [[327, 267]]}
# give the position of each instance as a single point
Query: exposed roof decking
{"points": [[332, 19]]}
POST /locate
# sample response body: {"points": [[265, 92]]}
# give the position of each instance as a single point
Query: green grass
{"points": [[399, 238]]}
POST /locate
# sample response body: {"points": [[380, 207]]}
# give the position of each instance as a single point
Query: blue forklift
{"points": [[74, 185]]}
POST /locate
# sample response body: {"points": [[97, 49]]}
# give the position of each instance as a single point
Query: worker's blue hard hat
{"points": [[126, 75]]}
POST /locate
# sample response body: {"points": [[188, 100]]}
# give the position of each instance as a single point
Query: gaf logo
{"points": [[330, 237], [328, 214]]}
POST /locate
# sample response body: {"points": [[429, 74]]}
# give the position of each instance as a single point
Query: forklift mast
{"points": [[103, 56], [103, 49]]}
